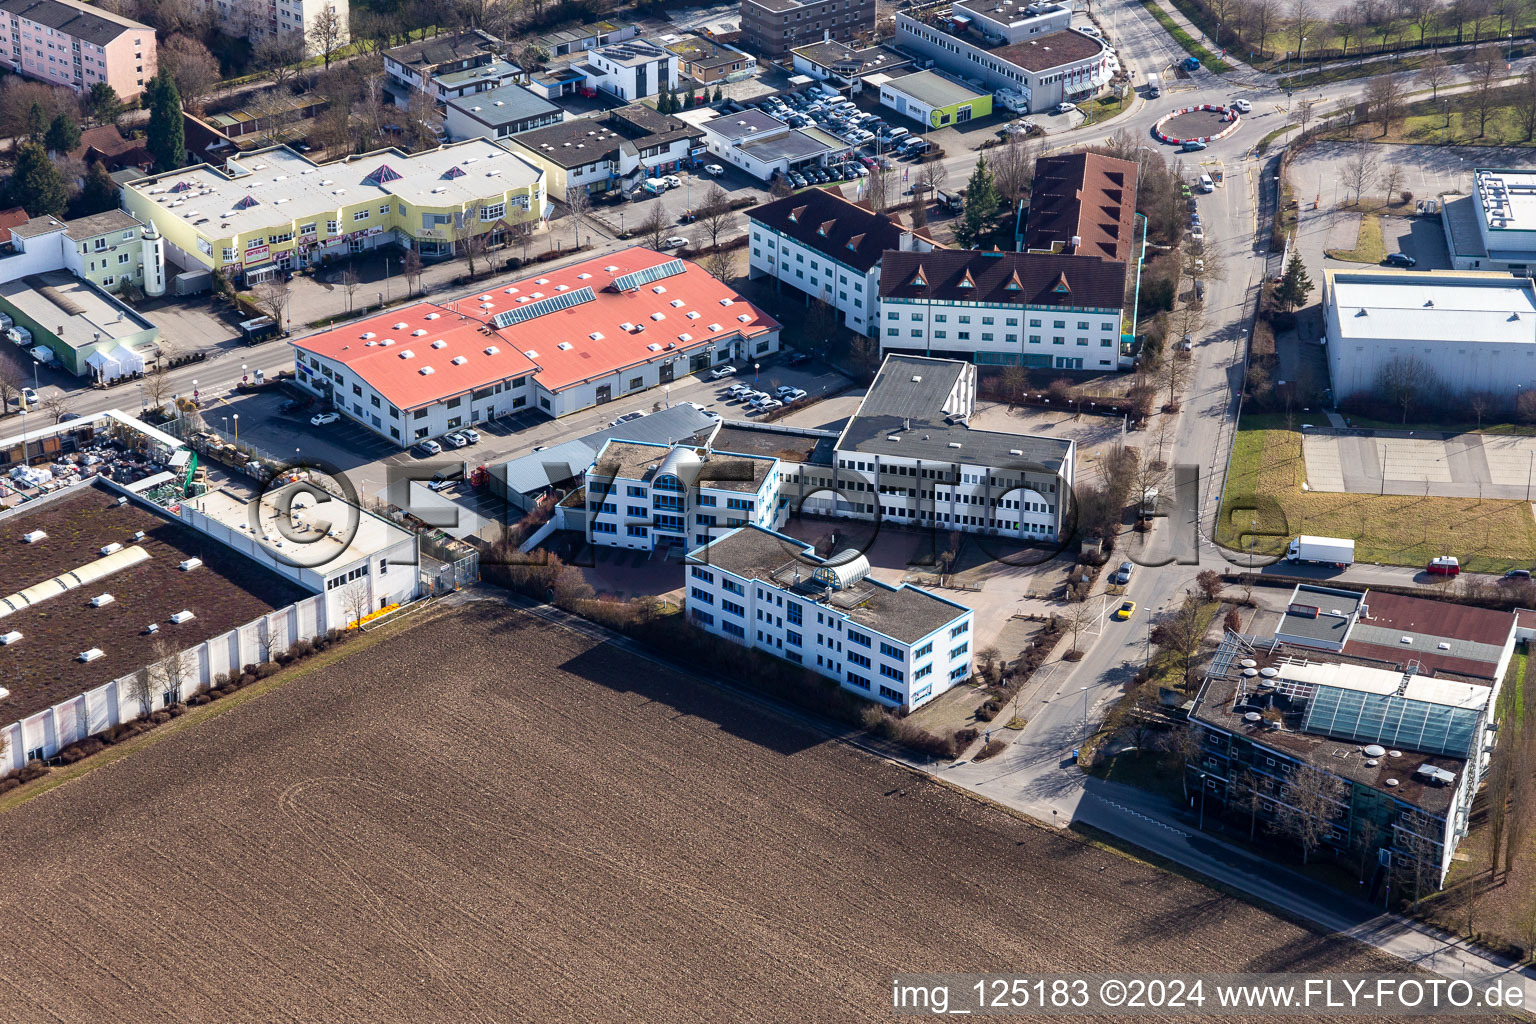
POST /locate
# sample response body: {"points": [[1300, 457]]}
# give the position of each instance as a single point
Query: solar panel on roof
{"points": [[641, 278], [553, 304], [1392, 721]]}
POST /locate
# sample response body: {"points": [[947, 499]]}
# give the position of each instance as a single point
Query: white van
{"points": [[894, 136], [1206, 184]]}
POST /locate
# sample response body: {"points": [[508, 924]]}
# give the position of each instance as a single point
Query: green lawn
{"points": [[1369, 247], [1264, 485], [1184, 39], [1512, 697]]}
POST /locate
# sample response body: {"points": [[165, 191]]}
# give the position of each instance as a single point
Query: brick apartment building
{"points": [[771, 28], [75, 45]]}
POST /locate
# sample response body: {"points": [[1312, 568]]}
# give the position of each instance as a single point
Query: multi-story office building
{"points": [[830, 249], [272, 209], [499, 113], [76, 45], [898, 646], [632, 71], [1010, 308], [111, 250], [647, 496], [772, 28], [290, 20], [1028, 50], [710, 63]]}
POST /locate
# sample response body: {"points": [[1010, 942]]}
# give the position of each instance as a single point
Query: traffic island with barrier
{"points": [[1207, 122]]}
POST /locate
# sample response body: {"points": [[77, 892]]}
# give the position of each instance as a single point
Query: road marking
{"points": [[1135, 813]]}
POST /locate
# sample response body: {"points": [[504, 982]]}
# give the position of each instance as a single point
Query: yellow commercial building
{"points": [[274, 210]]}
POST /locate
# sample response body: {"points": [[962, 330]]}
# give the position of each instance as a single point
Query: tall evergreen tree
{"points": [[981, 203], [1295, 285], [718, 94], [167, 140], [100, 192], [36, 184], [63, 135], [102, 104], [37, 123]]}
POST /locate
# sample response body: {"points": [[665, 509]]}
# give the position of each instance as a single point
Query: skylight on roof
{"points": [[714, 327], [368, 334], [426, 371], [432, 316], [658, 316], [693, 314], [744, 318], [542, 280], [727, 302], [492, 350], [660, 289], [418, 332], [406, 353], [459, 360], [531, 354], [677, 302], [582, 277], [402, 325], [596, 335], [564, 346], [439, 343]]}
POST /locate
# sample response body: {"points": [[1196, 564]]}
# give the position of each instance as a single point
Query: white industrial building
{"points": [[585, 334], [1494, 228], [830, 249], [1057, 310], [898, 646], [632, 71], [1463, 331], [1025, 49], [647, 496]]}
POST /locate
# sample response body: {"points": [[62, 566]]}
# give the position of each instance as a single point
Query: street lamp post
{"points": [[1301, 67], [1203, 777], [1085, 715], [244, 376], [237, 426]]}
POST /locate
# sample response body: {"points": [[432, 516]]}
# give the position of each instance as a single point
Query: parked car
{"points": [[1192, 146], [1518, 574], [456, 440], [439, 482], [766, 404], [428, 447], [1400, 259], [783, 389], [28, 396], [1443, 565], [1242, 106], [1206, 184], [1191, 64], [321, 419], [1126, 610], [628, 417], [1065, 107], [794, 395], [675, 242], [799, 359], [471, 435], [722, 372], [714, 169], [672, 181], [69, 416], [1122, 576]]}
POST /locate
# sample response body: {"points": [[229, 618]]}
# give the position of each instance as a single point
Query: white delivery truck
{"points": [[1154, 86], [1321, 551]]}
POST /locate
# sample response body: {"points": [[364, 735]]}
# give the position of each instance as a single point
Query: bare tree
{"points": [[191, 66], [1359, 171], [1180, 633], [350, 283], [714, 216], [1525, 104], [579, 203], [326, 33], [1434, 73], [1080, 616], [281, 54], [654, 228], [1303, 18], [1346, 24], [1484, 72], [1423, 14], [1481, 403], [11, 384], [274, 296], [469, 241], [1304, 112], [355, 602], [1309, 802], [1405, 380], [141, 688], [932, 176], [1262, 14], [1384, 100], [1182, 744], [1392, 180], [880, 182], [1417, 859], [169, 671], [156, 385], [412, 269], [423, 123], [1174, 374], [719, 265]]}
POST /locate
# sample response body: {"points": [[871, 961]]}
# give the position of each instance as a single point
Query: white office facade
{"points": [[792, 614], [852, 292], [1031, 336], [643, 496]]}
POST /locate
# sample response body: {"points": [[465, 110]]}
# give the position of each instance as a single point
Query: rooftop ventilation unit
{"points": [[34, 537], [92, 654], [152, 628], [123, 500], [10, 638], [190, 564], [110, 548], [138, 534], [102, 600], [182, 616]]}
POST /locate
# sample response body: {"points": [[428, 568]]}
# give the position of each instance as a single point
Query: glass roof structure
{"points": [[1392, 721]]}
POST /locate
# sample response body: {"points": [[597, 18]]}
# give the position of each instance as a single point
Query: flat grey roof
{"points": [[792, 145], [905, 613], [934, 89], [559, 463], [1335, 611], [912, 410], [505, 105], [1461, 221], [85, 311]]}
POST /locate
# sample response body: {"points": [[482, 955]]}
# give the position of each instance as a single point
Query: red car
{"points": [[1444, 565]]}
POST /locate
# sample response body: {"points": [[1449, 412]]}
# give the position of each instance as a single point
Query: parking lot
{"points": [[1459, 465]]}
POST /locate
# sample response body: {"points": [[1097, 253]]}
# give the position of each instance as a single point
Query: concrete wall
{"points": [[95, 711]]}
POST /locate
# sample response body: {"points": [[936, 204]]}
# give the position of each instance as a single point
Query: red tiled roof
{"points": [[1087, 196], [1004, 278], [658, 314], [15, 217]]}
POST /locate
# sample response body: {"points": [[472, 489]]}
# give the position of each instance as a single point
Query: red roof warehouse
{"points": [[558, 342]]}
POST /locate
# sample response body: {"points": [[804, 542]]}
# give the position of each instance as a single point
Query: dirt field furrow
{"points": [[490, 818]]}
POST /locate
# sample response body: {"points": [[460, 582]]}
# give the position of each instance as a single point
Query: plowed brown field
{"points": [[488, 818]]}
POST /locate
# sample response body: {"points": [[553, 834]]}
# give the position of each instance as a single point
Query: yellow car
{"points": [[1126, 610]]}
